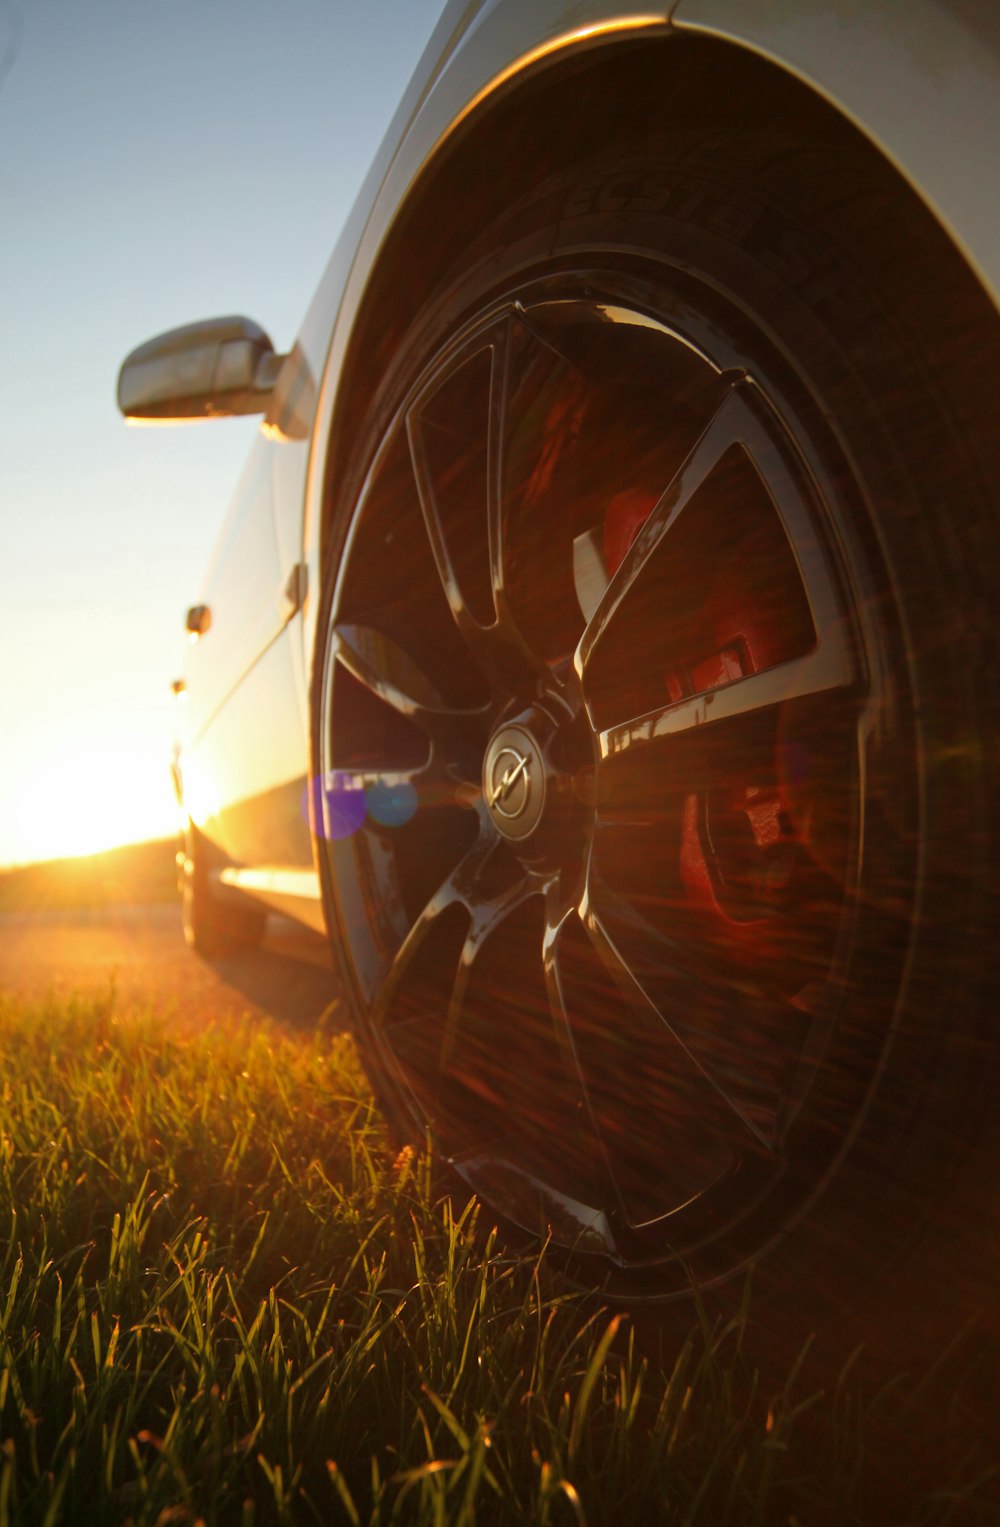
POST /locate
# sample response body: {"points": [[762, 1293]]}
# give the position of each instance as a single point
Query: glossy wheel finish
{"points": [[615, 769]]}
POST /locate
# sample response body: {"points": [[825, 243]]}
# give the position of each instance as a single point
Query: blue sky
{"points": [[158, 164]]}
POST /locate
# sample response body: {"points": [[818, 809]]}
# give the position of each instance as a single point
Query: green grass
{"points": [[223, 1298]]}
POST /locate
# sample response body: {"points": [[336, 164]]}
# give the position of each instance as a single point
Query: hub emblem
{"points": [[514, 781], [510, 791]]}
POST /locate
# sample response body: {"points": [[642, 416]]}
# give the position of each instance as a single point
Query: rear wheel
{"points": [[212, 925], [650, 727]]}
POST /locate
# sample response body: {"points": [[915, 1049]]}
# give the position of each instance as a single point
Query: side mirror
{"points": [[206, 370]]}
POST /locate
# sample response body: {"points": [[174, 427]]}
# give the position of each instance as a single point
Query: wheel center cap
{"points": [[514, 782]]}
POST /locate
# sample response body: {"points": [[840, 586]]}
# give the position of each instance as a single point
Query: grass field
{"points": [[223, 1298]]}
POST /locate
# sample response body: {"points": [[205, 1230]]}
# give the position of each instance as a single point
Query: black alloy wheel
{"points": [[630, 745]]}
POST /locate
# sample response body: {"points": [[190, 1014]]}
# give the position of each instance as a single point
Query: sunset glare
{"points": [[145, 186], [92, 801]]}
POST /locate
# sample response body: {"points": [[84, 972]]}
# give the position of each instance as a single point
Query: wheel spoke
{"points": [[678, 993], [744, 1044], [826, 669], [559, 914], [478, 539], [452, 561], [514, 1098], [509, 889], [456, 891], [584, 1145], [540, 471], [480, 1078], [726, 604], [654, 1116], [389, 673], [727, 427], [512, 654], [455, 436]]}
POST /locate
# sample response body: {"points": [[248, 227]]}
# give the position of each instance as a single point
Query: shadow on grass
{"points": [[290, 977]]}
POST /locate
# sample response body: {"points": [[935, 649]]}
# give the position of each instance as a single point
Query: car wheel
{"points": [[651, 710], [212, 926]]}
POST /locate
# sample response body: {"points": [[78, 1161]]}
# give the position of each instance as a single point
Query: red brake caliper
{"points": [[738, 845]]}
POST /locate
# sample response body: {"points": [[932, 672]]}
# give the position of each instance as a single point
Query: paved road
{"points": [[142, 949]]}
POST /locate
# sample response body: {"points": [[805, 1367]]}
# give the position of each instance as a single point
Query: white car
{"points": [[602, 643]]}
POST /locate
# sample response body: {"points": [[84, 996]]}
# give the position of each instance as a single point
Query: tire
{"points": [[653, 706], [212, 926]]}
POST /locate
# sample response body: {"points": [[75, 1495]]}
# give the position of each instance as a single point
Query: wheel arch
{"points": [[585, 97]]}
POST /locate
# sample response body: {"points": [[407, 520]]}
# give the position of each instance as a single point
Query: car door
{"points": [[244, 736]]}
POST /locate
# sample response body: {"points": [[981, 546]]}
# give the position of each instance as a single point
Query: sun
{"points": [[93, 800]]}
